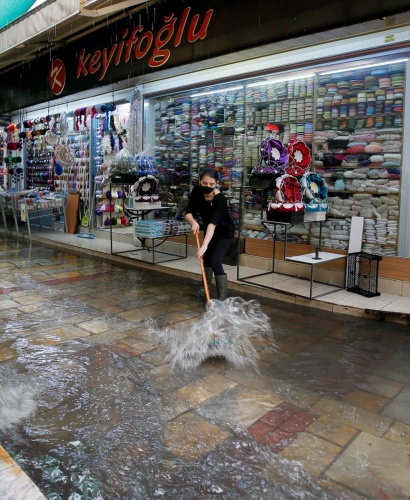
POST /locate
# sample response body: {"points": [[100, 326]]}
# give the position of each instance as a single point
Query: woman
{"points": [[211, 205]]}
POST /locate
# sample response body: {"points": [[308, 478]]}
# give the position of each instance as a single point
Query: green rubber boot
{"points": [[221, 286], [208, 274]]}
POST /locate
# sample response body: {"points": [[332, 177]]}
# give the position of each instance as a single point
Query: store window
{"points": [[351, 119]]}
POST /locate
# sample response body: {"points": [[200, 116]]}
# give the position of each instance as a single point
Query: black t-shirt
{"points": [[211, 212]]}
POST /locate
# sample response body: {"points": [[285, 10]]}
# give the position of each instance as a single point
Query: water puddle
{"points": [[148, 409], [99, 431]]}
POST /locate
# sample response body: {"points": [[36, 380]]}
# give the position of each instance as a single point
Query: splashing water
{"points": [[17, 398], [229, 328]]}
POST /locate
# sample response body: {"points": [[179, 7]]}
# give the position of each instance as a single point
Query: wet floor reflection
{"points": [[98, 411]]}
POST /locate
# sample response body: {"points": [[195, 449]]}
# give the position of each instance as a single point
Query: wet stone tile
{"points": [[7, 284], [113, 309], [155, 357], [382, 386], [279, 415], [190, 437], [106, 337], [171, 407], [137, 344], [367, 401], [297, 423], [259, 430], [399, 407], [29, 299], [32, 308], [386, 463], [102, 302], [314, 452], [193, 394], [352, 416], [139, 314], [134, 304], [241, 406], [399, 433], [332, 430], [123, 349], [339, 492], [7, 304], [7, 352], [94, 326], [278, 440], [215, 384]]}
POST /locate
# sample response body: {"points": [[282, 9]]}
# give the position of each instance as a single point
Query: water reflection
{"points": [[102, 414]]}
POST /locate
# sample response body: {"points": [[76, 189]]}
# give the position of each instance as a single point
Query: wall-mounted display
{"points": [[358, 152], [351, 121]]}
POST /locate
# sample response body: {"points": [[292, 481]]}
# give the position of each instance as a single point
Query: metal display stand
{"points": [[9, 203], [311, 259], [270, 226], [140, 214]]}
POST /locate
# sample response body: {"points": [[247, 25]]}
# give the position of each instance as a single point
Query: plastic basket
{"points": [[363, 273]]}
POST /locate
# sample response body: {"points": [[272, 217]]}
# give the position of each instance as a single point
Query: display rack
{"points": [[45, 211], [22, 207], [39, 165], [311, 259], [358, 151], [150, 245]]}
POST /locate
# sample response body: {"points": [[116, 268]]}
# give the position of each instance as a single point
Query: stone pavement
{"points": [[332, 402]]}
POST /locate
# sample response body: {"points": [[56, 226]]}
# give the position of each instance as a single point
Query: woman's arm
{"points": [[194, 224], [208, 237]]}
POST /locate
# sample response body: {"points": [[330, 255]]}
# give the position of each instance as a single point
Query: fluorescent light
{"points": [[279, 80], [217, 91], [363, 67]]}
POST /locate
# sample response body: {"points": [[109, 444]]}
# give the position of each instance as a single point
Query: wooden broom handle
{"points": [[206, 289]]}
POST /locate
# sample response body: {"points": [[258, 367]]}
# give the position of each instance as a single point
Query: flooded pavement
{"points": [[91, 407]]}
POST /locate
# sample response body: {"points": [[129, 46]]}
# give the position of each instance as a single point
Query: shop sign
{"points": [[57, 77], [170, 34], [142, 43]]}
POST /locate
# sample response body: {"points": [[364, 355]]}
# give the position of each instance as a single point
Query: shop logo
{"points": [[140, 43], [57, 77]]}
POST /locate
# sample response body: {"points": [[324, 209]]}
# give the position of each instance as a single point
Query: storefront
{"points": [[344, 98]]}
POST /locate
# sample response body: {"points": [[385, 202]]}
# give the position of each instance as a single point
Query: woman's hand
{"points": [[202, 250], [195, 227]]}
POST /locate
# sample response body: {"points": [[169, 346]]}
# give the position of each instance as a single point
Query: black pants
{"points": [[215, 254]]}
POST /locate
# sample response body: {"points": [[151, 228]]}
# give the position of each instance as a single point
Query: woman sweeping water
{"points": [[229, 327], [219, 229]]}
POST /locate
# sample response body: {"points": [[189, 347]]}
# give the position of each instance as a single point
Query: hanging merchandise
{"points": [[134, 136], [123, 163], [51, 138], [72, 157], [146, 164], [39, 164], [63, 126], [64, 157]]}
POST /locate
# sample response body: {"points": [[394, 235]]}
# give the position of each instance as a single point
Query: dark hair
{"points": [[209, 172]]}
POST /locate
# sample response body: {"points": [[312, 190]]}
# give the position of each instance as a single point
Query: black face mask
{"points": [[206, 189]]}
